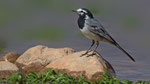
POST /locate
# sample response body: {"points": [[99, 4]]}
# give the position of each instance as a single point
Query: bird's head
{"points": [[83, 12]]}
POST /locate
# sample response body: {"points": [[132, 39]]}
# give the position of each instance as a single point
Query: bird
{"points": [[95, 31]]}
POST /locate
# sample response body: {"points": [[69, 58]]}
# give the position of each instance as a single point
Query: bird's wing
{"points": [[95, 27]]}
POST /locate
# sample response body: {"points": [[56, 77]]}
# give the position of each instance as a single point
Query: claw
{"points": [[91, 54], [86, 53]]}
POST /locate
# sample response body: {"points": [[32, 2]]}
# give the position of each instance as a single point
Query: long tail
{"points": [[112, 41], [117, 45]]}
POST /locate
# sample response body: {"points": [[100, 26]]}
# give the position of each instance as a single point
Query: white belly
{"points": [[90, 35]]}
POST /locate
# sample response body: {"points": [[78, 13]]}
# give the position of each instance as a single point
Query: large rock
{"points": [[10, 56], [7, 68], [40, 56], [90, 67]]}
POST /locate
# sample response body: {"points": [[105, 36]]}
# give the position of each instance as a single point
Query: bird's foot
{"points": [[88, 55], [93, 53], [85, 53]]}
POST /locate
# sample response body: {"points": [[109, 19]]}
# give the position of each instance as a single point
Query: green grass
{"points": [[51, 77], [48, 33]]}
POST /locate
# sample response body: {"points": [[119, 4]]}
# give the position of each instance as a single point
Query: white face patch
{"points": [[81, 11]]}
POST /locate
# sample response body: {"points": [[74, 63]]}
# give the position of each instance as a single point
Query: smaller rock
{"points": [[40, 56], [10, 56], [7, 68]]}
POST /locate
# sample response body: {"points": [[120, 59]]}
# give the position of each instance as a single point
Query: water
{"points": [[127, 21]]}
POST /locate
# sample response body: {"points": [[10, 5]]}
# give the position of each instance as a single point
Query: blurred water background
{"points": [[26, 23]]}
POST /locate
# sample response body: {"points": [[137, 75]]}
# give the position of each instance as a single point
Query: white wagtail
{"points": [[93, 30]]}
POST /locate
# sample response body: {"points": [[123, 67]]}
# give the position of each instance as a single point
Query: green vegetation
{"points": [[51, 77], [52, 33]]}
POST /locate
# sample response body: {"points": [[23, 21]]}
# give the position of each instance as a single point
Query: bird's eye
{"points": [[81, 11]]}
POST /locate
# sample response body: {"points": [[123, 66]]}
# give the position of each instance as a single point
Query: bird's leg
{"points": [[97, 43], [93, 53], [89, 49]]}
